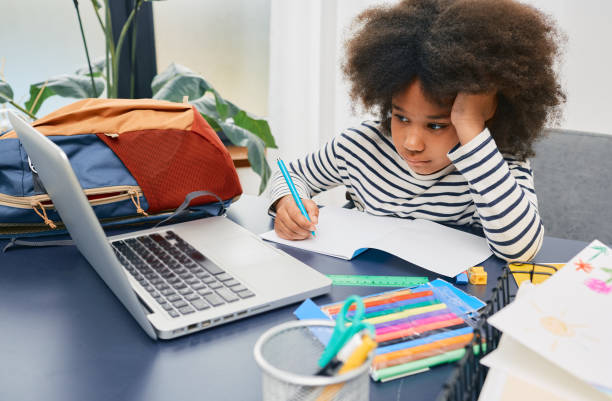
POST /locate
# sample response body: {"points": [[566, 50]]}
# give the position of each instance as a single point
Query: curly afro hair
{"points": [[461, 45]]}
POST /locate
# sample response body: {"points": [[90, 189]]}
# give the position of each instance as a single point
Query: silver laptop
{"points": [[180, 278]]}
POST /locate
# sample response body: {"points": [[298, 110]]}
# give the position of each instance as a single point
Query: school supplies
{"points": [[345, 233], [477, 275], [461, 278], [288, 357], [415, 328], [534, 272], [342, 333], [291, 185], [376, 281], [355, 360], [420, 366], [566, 318]]}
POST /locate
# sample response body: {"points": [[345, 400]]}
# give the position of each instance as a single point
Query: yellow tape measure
{"points": [[376, 281]]}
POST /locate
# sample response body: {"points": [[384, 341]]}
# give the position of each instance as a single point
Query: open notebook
{"points": [[345, 233]]}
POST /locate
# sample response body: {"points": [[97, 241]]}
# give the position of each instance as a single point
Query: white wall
{"points": [[227, 42], [586, 72], [224, 40], [40, 39]]}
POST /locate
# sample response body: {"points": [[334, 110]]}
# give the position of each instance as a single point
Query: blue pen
{"points": [[294, 193]]}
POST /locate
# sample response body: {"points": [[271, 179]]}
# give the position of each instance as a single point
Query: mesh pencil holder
{"points": [[288, 356]]}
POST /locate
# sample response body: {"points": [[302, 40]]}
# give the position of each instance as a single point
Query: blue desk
{"points": [[64, 336]]}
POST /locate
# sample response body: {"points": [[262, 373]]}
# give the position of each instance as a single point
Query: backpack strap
{"points": [[191, 196], [14, 242]]}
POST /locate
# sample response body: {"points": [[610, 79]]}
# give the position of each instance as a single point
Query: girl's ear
{"points": [[493, 108]]}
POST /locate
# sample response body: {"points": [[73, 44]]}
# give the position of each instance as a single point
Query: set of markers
{"points": [[415, 328]]}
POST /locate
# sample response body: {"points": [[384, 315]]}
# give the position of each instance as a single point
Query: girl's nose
{"points": [[414, 140]]}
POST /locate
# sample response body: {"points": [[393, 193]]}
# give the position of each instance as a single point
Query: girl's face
{"points": [[422, 132]]}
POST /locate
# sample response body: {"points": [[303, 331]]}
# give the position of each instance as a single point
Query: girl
{"points": [[462, 88]]}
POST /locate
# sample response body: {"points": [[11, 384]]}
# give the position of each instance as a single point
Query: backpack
{"points": [[139, 161]]}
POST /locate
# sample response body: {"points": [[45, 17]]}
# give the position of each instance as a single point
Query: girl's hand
{"points": [[290, 223], [470, 112]]}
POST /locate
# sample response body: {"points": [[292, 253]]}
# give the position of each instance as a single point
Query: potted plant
{"points": [[176, 83]]}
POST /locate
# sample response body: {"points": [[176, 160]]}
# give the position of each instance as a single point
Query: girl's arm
{"points": [[312, 174], [504, 196]]}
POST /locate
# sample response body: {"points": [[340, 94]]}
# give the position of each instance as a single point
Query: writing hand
{"points": [[290, 223]]}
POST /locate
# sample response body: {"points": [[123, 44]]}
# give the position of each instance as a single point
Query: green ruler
{"points": [[377, 281]]}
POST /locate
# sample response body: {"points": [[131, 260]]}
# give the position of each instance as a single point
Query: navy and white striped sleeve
{"points": [[504, 196], [312, 174]]}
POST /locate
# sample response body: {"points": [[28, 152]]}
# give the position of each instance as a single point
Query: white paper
{"points": [[512, 364], [493, 386], [517, 360], [568, 319], [514, 388], [343, 232]]}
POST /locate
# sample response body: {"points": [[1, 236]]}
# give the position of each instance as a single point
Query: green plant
{"points": [[240, 128], [173, 84]]}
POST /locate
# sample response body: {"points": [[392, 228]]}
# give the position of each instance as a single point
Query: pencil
{"points": [[291, 185]]}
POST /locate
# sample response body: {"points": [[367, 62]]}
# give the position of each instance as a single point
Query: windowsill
{"points": [[239, 156]]}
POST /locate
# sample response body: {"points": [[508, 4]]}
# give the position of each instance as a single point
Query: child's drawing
{"points": [[601, 250], [598, 286], [584, 266]]}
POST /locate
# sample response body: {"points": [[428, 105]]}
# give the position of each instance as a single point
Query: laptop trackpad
{"points": [[233, 247]]}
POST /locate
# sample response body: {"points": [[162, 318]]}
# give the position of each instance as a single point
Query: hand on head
{"points": [[290, 223], [470, 112]]}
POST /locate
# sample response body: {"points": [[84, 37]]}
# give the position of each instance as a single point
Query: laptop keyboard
{"points": [[177, 276]]}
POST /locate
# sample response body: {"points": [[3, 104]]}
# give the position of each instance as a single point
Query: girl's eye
{"points": [[436, 126], [401, 118]]}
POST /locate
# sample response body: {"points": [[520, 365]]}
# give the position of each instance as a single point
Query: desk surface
{"points": [[64, 336]]}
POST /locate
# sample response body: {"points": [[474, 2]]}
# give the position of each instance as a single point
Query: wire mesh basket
{"points": [[469, 375], [288, 356]]}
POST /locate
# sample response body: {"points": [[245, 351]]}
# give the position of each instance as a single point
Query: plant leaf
{"points": [[257, 154], [213, 123], [207, 107], [237, 135], [221, 105], [72, 86], [6, 91], [232, 109], [168, 74], [255, 148], [34, 90], [97, 67], [258, 127], [182, 85], [96, 4]]}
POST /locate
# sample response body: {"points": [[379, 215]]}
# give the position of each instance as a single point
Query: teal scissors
{"points": [[343, 333]]}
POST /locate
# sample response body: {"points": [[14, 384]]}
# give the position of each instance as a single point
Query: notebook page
{"points": [[341, 233], [434, 247]]}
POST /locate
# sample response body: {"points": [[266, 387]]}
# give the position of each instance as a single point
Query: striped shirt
{"points": [[481, 187]]}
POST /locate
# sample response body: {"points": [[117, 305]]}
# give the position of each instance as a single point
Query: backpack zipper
{"points": [[40, 203], [116, 193]]}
